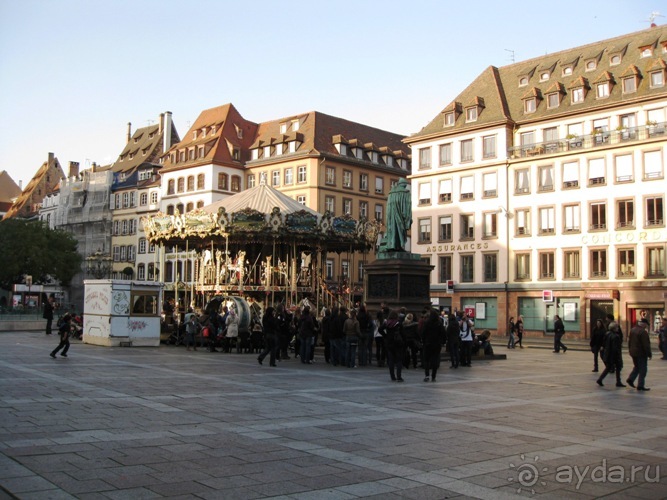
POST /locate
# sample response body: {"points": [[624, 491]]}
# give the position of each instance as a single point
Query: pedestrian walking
{"points": [[559, 331], [48, 313], [433, 336], [306, 335], [352, 331], [639, 346], [511, 327], [64, 331], [395, 344], [270, 327], [662, 338], [597, 341], [612, 355], [467, 336], [519, 331]]}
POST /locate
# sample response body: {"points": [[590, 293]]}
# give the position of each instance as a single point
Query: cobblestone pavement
{"points": [[134, 423]]}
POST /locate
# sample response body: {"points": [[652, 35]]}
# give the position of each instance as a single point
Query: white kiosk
{"points": [[119, 313]]}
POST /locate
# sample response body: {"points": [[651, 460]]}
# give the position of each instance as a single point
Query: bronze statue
{"points": [[399, 218]]}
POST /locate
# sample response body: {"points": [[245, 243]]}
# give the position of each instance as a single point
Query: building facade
{"points": [[540, 189]]}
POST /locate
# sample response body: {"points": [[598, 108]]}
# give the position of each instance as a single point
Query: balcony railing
{"points": [[590, 141]]}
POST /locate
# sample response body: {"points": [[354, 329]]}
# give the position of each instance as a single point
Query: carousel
{"points": [[260, 247]]}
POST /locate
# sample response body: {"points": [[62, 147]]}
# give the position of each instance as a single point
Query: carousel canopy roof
{"points": [[262, 198], [262, 214]]}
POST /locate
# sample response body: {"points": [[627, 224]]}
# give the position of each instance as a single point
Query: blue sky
{"points": [[73, 73]]}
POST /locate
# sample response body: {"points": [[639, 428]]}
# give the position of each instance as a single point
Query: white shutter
{"points": [[446, 186], [624, 167], [652, 163], [571, 172], [596, 168], [466, 185], [425, 191]]}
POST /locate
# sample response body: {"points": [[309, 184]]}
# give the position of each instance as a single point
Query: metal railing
{"points": [[590, 141]]}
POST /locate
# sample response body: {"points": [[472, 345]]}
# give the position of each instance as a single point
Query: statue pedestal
{"points": [[397, 279]]}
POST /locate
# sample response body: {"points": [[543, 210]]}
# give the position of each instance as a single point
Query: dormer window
{"points": [[254, 154], [236, 154], [295, 125], [530, 105], [544, 76], [553, 100], [280, 148], [523, 81], [358, 153], [567, 70], [194, 135], [657, 78], [591, 65], [629, 84], [602, 90], [239, 132], [151, 135], [267, 151], [213, 130], [471, 114], [577, 95], [293, 146], [615, 60], [646, 52], [449, 119], [203, 132], [388, 160]]}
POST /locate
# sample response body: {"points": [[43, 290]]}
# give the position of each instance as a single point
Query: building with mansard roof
{"points": [[325, 163], [29, 201], [135, 193], [540, 189]]}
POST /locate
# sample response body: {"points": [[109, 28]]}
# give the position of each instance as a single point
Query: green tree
{"points": [[30, 247]]}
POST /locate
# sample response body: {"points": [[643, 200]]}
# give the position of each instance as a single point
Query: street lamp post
{"points": [[98, 264]]}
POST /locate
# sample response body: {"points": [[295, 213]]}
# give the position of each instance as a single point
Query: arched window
{"points": [[181, 184], [191, 183], [200, 181], [170, 209], [189, 207], [170, 186], [179, 207]]}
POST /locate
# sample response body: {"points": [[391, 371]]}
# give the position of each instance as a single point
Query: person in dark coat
{"points": [[270, 327], [639, 346], [511, 329], [64, 330], [597, 341], [48, 313], [395, 344], [366, 337], [559, 331], [433, 335], [453, 341], [306, 332], [519, 331], [612, 356], [380, 348], [412, 341]]}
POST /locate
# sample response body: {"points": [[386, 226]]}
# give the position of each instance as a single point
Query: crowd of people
{"points": [[395, 339]]}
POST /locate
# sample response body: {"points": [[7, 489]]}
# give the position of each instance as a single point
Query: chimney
{"points": [[50, 160], [73, 169], [167, 132], [129, 131], [161, 122], [21, 185], [93, 167]]}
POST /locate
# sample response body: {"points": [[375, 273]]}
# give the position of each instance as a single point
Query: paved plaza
{"points": [[134, 423]]}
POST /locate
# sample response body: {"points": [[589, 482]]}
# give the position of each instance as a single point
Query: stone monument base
{"points": [[397, 279]]}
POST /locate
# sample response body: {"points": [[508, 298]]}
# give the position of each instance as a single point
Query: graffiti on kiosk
{"points": [[121, 303], [96, 301], [136, 325]]}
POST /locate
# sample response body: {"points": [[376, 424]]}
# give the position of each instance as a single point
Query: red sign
{"points": [[470, 312], [547, 296]]}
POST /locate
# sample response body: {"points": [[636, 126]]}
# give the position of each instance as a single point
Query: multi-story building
{"points": [[330, 165], [540, 189], [323, 162], [28, 203], [135, 169], [9, 191]]}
